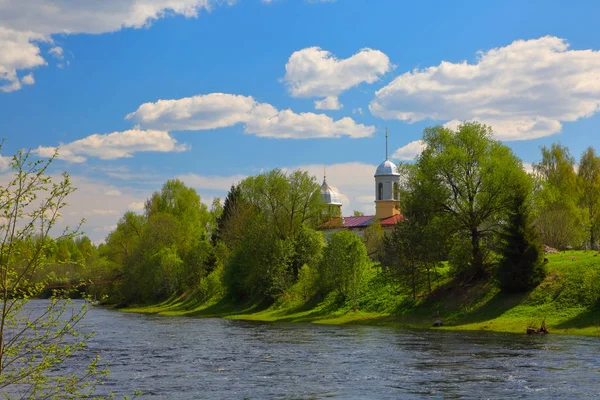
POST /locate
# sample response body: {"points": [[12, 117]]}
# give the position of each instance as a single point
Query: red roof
{"points": [[393, 220], [360, 222]]}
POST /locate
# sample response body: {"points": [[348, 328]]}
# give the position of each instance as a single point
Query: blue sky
{"points": [[219, 90]]}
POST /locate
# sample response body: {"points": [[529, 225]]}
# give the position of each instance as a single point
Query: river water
{"points": [[189, 358]]}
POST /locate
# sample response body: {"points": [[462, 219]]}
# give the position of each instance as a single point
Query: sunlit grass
{"points": [[568, 300]]}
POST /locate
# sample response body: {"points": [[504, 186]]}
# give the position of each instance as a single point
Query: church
{"points": [[387, 202]]}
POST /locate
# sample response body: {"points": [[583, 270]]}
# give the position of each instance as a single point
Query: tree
{"points": [[468, 178], [521, 267], [286, 201], [556, 213], [345, 265], [357, 213], [373, 240], [589, 179], [33, 346]]}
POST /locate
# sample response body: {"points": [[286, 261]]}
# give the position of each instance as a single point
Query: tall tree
{"points": [[521, 267], [556, 213], [470, 178], [589, 178]]}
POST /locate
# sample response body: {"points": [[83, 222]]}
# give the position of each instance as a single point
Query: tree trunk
{"points": [[477, 254]]}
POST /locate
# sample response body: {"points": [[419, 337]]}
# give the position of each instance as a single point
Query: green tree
{"points": [[373, 240], [469, 178], [521, 267], [357, 213], [557, 215], [286, 201], [33, 346], [261, 266], [345, 265], [589, 180]]}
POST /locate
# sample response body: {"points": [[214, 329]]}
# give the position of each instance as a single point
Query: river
{"points": [[188, 358]]}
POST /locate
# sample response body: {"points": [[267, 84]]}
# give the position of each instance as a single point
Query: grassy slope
{"points": [[569, 301]]}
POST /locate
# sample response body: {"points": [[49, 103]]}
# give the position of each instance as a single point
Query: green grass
{"points": [[568, 300]]}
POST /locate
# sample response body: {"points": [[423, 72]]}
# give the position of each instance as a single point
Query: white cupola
{"points": [[387, 180]]}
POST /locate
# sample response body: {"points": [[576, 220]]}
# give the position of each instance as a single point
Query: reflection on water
{"points": [[186, 358]]}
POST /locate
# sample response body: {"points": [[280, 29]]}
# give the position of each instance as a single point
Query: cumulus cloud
{"points": [[219, 110], [136, 206], [525, 90], [409, 151], [28, 79], [18, 51], [57, 52], [328, 103], [313, 72], [211, 182], [23, 24], [114, 145]]}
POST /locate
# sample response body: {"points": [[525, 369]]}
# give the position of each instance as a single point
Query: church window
{"points": [[396, 191], [380, 191]]}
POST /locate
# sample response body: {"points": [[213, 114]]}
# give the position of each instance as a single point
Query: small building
{"points": [[387, 202]]}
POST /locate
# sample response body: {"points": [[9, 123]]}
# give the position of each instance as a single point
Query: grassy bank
{"points": [[568, 300]]}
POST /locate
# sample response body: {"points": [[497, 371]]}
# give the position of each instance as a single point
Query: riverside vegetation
{"points": [[468, 252]]}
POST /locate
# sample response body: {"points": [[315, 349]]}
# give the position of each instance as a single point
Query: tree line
{"points": [[467, 202]]}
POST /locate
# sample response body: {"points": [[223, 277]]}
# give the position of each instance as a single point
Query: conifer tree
{"points": [[521, 267]]}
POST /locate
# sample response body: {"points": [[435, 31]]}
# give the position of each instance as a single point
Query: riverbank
{"points": [[568, 301]]}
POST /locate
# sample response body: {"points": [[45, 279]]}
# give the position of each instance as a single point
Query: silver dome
{"points": [[387, 168], [329, 195]]}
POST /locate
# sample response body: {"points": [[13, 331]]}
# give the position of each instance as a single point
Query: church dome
{"points": [[330, 195], [387, 168]]}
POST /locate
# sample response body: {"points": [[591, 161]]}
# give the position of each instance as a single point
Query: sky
{"points": [[136, 92]]}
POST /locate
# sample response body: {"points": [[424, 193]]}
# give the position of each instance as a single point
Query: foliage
{"points": [[286, 201], [34, 347], [589, 180], [556, 212], [411, 254], [373, 240], [468, 179], [345, 265], [521, 267]]}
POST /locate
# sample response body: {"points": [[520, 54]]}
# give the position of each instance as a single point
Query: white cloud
{"points": [[24, 23], [200, 182], [57, 52], [102, 212], [218, 110], [328, 103], [114, 145], [113, 192], [28, 79], [409, 151], [524, 90], [5, 163], [528, 167], [136, 206], [313, 72], [358, 111], [17, 51]]}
